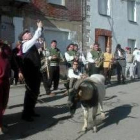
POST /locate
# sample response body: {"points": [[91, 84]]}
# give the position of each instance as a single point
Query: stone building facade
{"points": [[62, 20]]}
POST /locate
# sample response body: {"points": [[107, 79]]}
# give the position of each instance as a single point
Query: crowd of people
{"points": [[33, 61]]}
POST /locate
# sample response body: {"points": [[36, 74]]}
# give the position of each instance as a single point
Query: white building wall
{"points": [[117, 22]]}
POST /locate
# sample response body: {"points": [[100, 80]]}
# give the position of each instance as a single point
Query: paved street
{"points": [[122, 120]]}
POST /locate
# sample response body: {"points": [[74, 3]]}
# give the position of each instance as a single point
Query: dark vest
{"points": [[32, 58], [55, 52], [71, 53], [95, 54]]}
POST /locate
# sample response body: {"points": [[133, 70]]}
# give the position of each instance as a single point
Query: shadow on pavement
{"points": [[50, 99], [115, 115], [21, 129], [114, 83], [42, 100]]}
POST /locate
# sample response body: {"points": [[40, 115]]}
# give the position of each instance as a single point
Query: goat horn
{"points": [[80, 93]]}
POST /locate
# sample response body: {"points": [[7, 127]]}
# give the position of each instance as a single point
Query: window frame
{"points": [[63, 2], [134, 11], [131, 41], [107, 11]]}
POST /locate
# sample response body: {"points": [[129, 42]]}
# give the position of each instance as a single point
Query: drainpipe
{"points": [[83, 18]]}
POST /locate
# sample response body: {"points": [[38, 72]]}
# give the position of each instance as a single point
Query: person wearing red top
{"points": [[4, 79], [5, 68]]}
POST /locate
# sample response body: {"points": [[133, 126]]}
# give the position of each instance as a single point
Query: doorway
{"points": [[104, 38]]}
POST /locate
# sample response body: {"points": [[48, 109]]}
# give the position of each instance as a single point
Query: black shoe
{"points": [[35, 115], [72, 110], [55, 88], [131, 78], [119, 82], [27, 118], [48, 92]]}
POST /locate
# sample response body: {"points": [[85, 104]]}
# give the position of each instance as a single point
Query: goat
{"points": [[90, 92]]}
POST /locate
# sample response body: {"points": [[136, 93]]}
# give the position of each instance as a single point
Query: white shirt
{"points": [[68, 57], [71, 74], [82, 58], [119, 53], [89, 58], [29, 43], [136, 54]]}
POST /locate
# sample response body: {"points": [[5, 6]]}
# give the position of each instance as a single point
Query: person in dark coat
{"points": [[120, 63], [31, 71], [18, 58]]}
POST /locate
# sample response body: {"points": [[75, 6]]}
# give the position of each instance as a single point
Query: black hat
{"points": [[22, 33]]}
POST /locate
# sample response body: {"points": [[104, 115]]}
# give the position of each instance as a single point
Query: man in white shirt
{"points": [[93, 58], [31, 71], [136, 55], [74, 74]]}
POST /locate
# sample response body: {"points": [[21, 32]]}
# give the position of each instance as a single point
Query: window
{"points": [[131, 43], [104, 7], [58, 2], [131, 10]]}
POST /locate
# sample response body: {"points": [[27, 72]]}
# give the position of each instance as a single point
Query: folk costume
{"points": [[92, 57], [54, 67], [81, 61], [69, 56], [107, 65], [32, 75]]}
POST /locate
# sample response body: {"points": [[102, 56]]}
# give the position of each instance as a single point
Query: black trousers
{"points": [[107, 74], [138, 69], [54, 76], [120, 73], [46, 82], [32, 77], [93, 69], [16, 76]]}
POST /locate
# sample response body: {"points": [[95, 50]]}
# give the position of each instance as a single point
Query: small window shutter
{"points": [[102, 7], [131, 6]]}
